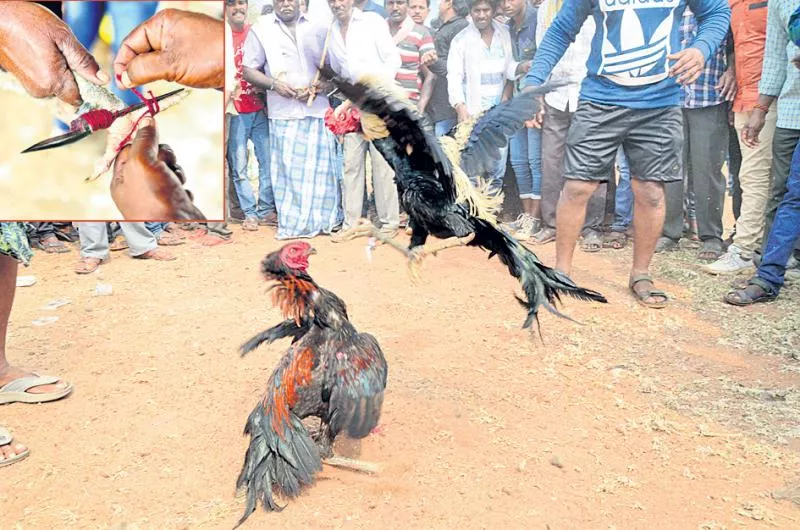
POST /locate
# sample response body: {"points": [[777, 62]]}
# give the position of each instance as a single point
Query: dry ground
{"points": [[683, 418]]}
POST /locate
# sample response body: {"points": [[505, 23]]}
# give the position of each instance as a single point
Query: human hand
{"points": [[42, 53], [727, 84], [173, 45], [429, 58], [752, 129], [148, 182], [688, 66], [462, 113], [284, 89]]}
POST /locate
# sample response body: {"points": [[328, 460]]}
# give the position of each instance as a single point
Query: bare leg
{"points": [[648, 222], [8, 286], [570, 215]]}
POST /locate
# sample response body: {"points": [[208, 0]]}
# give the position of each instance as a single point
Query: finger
{"points": [[81, 61], [148, 67], [145, 38], [145, 145], [167, 155]]}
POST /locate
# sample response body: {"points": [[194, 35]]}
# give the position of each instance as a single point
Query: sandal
{"points": [[756, 292], [6, 439], [168, 239], [615, 240], [665, 244], [51, 245], [88, 265], [250, 224], [543, 236], [157, 254], [17, 390], [591, 242], [119, 243], [711, 250], [641, 296]]}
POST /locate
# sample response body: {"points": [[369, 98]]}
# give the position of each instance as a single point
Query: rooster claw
{"points": [[352, 464]]}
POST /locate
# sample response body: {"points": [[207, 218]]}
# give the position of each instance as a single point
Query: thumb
{"points": [[81, 61], [148, 67], [145, 145]]}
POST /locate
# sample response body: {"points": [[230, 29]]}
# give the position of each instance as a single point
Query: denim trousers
{"points": [[526, 161], [252, 126]]}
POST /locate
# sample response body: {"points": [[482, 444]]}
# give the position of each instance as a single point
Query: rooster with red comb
{"points": [[331, 372]]}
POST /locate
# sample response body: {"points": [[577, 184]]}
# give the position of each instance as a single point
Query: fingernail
{"points": [[125, 80], [103, 77], [147, 122]]}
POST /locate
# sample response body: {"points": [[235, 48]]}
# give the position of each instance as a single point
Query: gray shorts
{"points": [[652, 140]]}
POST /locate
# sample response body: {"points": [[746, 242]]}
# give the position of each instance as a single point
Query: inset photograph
{"points": [[112, 110]]}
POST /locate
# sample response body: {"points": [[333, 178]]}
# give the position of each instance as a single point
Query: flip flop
{"points": [[6, 439], [647, 294], [17, 390]]}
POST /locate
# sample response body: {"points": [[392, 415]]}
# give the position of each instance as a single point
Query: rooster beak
{"points": [[312, 251]]}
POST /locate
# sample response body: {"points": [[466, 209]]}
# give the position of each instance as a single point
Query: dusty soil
{"points": [[49, 185], [637, 419]]}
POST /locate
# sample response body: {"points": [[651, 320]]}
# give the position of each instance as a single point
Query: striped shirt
{"points": [[779, 77], [702, 93], [413, 41]]}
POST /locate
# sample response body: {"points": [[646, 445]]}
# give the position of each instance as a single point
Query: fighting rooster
{"points": [[434, 188], [331, 372]]}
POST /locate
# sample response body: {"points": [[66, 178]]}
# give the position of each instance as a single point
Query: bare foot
{"points": [[10, 373]]}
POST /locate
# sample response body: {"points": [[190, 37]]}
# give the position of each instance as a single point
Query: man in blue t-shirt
{"points": [[630, 97]]}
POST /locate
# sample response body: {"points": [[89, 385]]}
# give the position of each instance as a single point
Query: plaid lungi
{"points": [[306, 174], [14, 242]]}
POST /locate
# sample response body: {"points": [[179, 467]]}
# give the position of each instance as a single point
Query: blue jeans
{"points": [[441, 128], [494, 177], [252, 126], [784, 232], [156, 228], [623, 200], [84, 18], [526, 160]]}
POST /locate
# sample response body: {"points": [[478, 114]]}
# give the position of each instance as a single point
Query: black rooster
{"points": [[331, 372], [436, 192]]}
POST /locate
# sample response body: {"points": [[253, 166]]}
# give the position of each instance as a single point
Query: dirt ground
{"points": [[50, 185], [636, 419]]}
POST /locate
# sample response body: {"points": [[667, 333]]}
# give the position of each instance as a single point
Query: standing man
{"points": [[526, 146], [480, 68], [361, 44], [413, 40], [629, 101], [749, 28], [555, 119], [281, 55], [452, 16], [705, 148], [778, 78], [249, 123]]}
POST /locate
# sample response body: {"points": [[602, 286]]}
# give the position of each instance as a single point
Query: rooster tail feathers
{"points": [[285, 462], [542, 285]]}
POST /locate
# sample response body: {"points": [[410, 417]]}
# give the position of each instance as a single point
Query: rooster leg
{"points": [[449, 243], [391, 242], [352, 464]]}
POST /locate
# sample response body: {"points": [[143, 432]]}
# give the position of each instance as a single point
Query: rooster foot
{"points": [[353, 465], [415, 257]]}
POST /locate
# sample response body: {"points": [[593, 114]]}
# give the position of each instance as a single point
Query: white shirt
{"points": [[292, 58], [571, 67], [464, 64], [230, 70], [367, 49]]}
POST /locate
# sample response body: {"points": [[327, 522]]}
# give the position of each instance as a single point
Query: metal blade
{"points": [[58, 141]]}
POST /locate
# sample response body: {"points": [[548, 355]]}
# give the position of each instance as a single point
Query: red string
{"points": [[153, 108], [99, 119]]}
